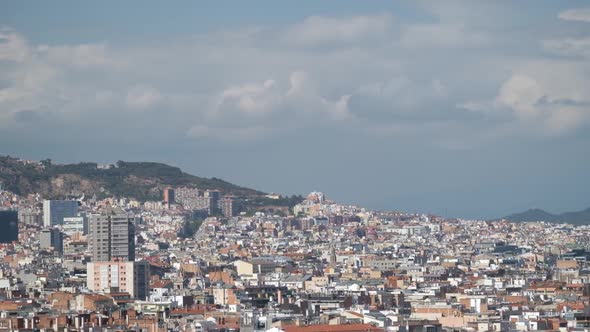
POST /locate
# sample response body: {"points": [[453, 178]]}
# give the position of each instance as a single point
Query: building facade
{"points": [[169, 196], [227, 206], [54, 211], [119, 276], [51, 239], [112, 237], [74, 225], [9, 225]]}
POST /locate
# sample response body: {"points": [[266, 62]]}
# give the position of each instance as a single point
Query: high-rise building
{"points": [[9, 226], [194, 199], [51, 238], [169, 196], [112, 236], [186, 196], [116, 276], [29, 217], [55, 211], [227, 206], [73, 225], [215, 195], [203, 204]]}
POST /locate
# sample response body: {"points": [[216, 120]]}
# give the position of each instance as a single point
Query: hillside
{"points": [[139, 180], [576, 218]]}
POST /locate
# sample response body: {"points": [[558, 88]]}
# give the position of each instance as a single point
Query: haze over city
{"points": [[295, 166], [456, 108]]}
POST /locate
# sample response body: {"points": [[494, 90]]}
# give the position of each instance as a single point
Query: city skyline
{"points": [[295, 166], [474, 111]]}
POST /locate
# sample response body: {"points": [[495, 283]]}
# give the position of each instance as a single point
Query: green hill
{"points": [[139, 180], [576, 218]]}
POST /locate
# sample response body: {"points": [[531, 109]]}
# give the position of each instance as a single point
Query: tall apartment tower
{"points": [[55, 211], [52, 238], [214, 196], [9, 226], [113, 267], [169, 196], [227, 206], [112, 237]]}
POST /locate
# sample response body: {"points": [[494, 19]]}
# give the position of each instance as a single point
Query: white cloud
{"points": [[317, 30], [298, 80], [400, 95], [477, 105], [13, 47], [258, 109], [259, 99], [552, 96], [540, 98], [37, 78], [563, 119], [578, 14], [251, 98], [441, 35], [569, 46], [85, 55], [30, 87], [236, 83], [142, 97], [338, 110], [521, 93]]}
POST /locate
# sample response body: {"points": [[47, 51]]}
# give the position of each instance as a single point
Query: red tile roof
{"points": [[333, 328]]}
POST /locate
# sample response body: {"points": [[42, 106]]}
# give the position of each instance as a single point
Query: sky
{"points": [[472, 109]]}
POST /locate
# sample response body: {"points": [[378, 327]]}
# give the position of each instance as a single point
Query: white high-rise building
{"points": [[55, 211], [74, 225]]}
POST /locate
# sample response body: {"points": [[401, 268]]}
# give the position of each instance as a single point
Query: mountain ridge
{"points": [[139, 180], [581, 217]]}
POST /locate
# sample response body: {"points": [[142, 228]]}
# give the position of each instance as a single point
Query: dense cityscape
{"points": [[295, 166], [193, 261]]}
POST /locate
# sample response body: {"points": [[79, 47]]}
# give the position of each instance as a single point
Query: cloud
{"points": [[13, 47], [251, 98], [399, 99], [521, 93], [441, 35], [39, 78], [82, 56], [578, 14], [551, 98], [338, 110], [568, 46], [30, 88], [319, 30], [142, 97], [301, 95], [242, 111], [361, 73]]}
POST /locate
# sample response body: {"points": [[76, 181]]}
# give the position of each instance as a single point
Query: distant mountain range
{"points": [[140, 180], [576, 218]]}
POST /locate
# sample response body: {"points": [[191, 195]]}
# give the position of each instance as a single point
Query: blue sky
{"points": [[464, 108]]}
